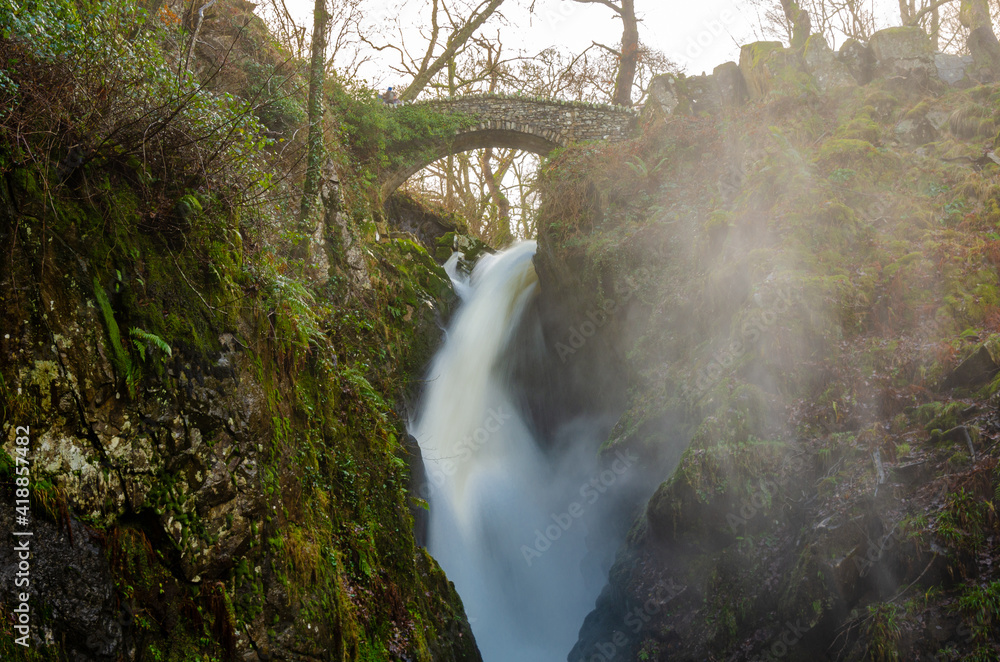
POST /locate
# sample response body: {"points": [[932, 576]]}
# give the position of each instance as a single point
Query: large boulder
{"points": [[760, 63], [663, 94], [978, 368], [903, 51], [700, 95], [916, 131], [689, 95], [824, 66], [731, 86]]}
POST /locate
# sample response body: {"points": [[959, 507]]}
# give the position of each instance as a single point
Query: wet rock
{"points": [[951, 68], [911, 473], [977, 370], [903, 51], [858, 59], [916, 131], [70, 576], [420, 486], [824, 66]]}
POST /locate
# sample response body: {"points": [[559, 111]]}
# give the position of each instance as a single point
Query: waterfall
{"points": [[508, 511]]}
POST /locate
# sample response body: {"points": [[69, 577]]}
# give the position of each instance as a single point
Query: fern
{"points": [[296, 322], [140, 338], [638, 167], [641, 168]]}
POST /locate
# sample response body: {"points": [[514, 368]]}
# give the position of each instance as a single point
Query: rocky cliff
{"points": [[202, 397], [797, 261]]}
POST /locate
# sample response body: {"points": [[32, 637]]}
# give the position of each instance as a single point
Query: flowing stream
{"points": [[509, 511]]}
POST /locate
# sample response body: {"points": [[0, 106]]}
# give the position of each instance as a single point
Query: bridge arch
{"points": [[529, 124]]}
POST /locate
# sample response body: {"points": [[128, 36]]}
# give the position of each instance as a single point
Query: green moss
{"points": [[756, 63], [753, 55], [128, 371], [938, 415], [848, 153], [860, 128], [972, 121]]}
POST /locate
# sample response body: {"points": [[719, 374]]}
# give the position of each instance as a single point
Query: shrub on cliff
{"points": [[103, 83]]}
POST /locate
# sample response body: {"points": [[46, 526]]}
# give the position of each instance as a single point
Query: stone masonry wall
{"points": [[559, 122]]}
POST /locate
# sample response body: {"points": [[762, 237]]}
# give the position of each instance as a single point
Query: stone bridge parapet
{"points": [[532, 124]]}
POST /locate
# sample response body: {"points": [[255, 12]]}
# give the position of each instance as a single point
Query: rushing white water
{"points": [[500, 522]]}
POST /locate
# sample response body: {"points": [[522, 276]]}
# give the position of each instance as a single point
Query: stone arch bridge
{"points": [[529, 124]]}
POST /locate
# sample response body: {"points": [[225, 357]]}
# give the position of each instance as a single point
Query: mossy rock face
{"points": [[760, 63], [903, 51], [731, 84], [428, 224], [900, 42], [663, 92], [855, 154], [220, 437], [861, 128], [823, 65], [807, 289], [858, 59]]}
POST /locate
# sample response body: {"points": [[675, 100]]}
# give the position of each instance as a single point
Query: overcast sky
{"points": [[696, 34]]}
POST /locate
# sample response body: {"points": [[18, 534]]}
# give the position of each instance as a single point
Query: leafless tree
{"points": [[345, 50], [628, 52], [446, 38], [837, 20]]}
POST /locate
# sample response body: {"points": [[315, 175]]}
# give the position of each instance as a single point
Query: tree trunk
{"points": [[799, 19], [317, 78], [501, 201], [975, 15], [629, 55]]}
